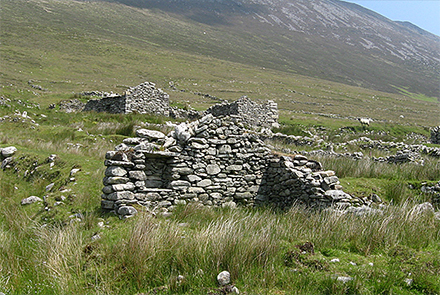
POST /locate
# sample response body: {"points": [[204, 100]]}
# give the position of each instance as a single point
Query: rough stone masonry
{"points": [[213, 161], [147, 99]]}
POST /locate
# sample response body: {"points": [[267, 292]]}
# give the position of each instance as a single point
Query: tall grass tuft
{"points": [[59, 255]]}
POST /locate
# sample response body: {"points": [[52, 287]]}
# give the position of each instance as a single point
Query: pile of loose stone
{"points": [[435, 135], [213, 161]]}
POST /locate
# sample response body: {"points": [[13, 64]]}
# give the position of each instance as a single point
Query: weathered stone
{"points": [[183, 170], [31, 200], [150, 134], [224, 278], [115, 180], [137, 175], [336, 195], [108, 205], [204, 183], [179, 184], [8, 151], [116, 196], [115, 171], [196, 190], [245, 195], [213, 169], [194, 178], [169, 141], [228, 166], [127, 210], [234, 167], [225, 149]]}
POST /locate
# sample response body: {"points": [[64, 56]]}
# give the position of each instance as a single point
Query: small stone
{"points": [[204, 183], [224, 278], [137, 175], [8, 151], [213, 169], [95, 237], [115, 171], [335, 260], [49, 187], [31, 200], [127, 210], [344, 279], [74, 171]]}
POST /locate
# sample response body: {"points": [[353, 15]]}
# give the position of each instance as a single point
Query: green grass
{"points": [[46, 251], [115, 60], [418, 96], [43, 250]]}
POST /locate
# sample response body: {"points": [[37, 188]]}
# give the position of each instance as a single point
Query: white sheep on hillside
{"points": [[365, 121]]}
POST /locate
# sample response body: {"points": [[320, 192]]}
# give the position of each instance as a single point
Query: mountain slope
{"points": [[328, 39]]}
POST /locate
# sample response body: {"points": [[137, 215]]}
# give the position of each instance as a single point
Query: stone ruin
{"points": [[143, 99], [435, 135], [253, 114], [213, 161], [147, 99]]}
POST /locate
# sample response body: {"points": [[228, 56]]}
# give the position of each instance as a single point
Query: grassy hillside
{"points": [[73, 46], [51, 50]]}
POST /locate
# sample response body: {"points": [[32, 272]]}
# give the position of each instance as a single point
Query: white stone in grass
{"points": [[31, 200], [8, 151], [224, 278], [335, 260], [344, 279]]}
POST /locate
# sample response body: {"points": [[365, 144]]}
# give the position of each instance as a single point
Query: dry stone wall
{"points": [[213, 161], [147, 99], [435, 135], [252, 113]]}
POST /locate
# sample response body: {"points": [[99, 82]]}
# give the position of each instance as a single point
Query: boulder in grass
{"points": [[8, 151], [224, 278], [31, 200]]}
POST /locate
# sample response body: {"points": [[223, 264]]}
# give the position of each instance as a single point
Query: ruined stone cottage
{"points": [[213, 161], [147, 99]]}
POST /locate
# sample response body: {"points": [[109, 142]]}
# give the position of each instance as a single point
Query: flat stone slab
{"points": [[158, 154]]}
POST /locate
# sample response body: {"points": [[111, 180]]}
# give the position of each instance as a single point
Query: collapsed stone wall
{"points": [[252, 113], [144, 99], [147, 99], [214, 162], [435, 135]]}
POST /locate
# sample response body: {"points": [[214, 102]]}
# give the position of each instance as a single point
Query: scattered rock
{"points": [[224, 278], [31, 200], [344, 279], [127, 211], [8, 151]]}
